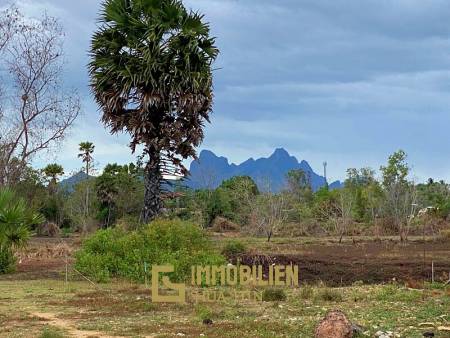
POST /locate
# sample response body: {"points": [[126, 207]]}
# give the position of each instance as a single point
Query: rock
{"points": [[428, 334], [207, 321], [334, 325], [357, 329]]}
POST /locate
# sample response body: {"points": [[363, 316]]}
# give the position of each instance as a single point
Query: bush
{"points": [[234, 248], [273, 295], [7, 261], [203, 312], [117, 253], [15, 221], [330, 295]]}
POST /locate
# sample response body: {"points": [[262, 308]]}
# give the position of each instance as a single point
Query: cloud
{"points": [[347, 81]]}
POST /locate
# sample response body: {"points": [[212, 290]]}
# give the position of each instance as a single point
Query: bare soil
{"points": [[369, 262]]}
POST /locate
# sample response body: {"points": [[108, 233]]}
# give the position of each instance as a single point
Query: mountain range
{"points": [[210, 170]]}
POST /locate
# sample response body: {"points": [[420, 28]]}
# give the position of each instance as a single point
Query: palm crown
{"points": [[151, 74]]}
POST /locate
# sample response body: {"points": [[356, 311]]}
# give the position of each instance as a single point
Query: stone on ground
{"points": [[334, 325]]}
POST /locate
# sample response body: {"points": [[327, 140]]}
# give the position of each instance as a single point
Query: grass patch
{"points": [[274, 295], [52, 332], [234, 248], [329, 295], [306, 292]]}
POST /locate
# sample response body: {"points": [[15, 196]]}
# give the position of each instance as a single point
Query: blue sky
{"points": [[346, 81]]}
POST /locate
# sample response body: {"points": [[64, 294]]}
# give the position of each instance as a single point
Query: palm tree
{"points": [[151, 75], [86, 150], [15, 220], [52, 171]]}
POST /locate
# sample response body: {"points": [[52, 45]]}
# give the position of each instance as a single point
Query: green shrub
{"points": [[273, 295], [117, 253], [16, 218], [66, 232], [234, 248], [203, 312], [7, 261], [51, 332], [330, 295]]}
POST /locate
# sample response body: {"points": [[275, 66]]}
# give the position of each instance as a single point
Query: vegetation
{"points": [[116, 253], [274, 295], [234, 248], [15, 222], [151, 75]]}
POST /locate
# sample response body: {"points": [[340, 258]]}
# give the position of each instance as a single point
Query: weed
{"points": [[274, 295], [51, 332], [203, 312], [330, 295], [306, 292]]}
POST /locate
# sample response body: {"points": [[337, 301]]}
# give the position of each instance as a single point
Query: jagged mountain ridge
{"points": [[210, 170]]}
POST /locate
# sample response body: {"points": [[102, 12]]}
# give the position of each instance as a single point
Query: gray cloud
{"points": [[348, 81]]}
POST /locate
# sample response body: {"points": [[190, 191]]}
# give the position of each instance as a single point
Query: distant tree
{"points": [[358, 183], [435, 194], [400, 195], [119, 192], [53, 171], [270, 213], [396, 170], [299, 184], [241, 183], [151, 75], [242, 191], [35, 111], [86, 150]]}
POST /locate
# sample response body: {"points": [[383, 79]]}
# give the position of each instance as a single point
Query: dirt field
{"points": [[319, 260], [374, 262], [358, 259]]}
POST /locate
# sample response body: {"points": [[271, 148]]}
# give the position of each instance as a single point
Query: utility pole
{"points": [[325, 172]]}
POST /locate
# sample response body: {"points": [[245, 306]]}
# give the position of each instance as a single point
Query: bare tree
{"points": [[400, 205], [269, 213], [344, 206], [36, 111]]}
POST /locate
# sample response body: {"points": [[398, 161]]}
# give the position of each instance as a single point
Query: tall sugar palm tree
{"points": [[151, 75], [86, 150]]}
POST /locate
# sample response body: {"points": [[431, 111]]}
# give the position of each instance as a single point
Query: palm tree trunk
{"points": [[87, 189], [152, 198]]}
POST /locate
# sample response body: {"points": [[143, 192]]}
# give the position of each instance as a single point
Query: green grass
{"points": [[52, 332]]}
